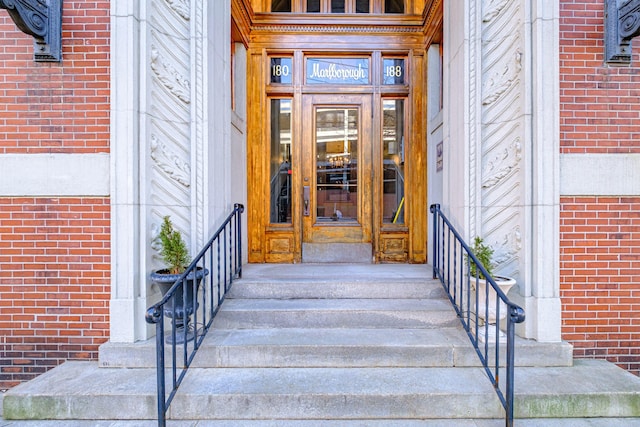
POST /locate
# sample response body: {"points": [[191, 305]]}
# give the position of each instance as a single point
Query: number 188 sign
{"points": [[393, 71]]}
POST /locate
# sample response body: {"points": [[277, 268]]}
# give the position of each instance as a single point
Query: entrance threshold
{"points": [[353, 253]]}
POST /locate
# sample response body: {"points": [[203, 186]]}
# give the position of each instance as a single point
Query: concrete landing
{"points": [[337, 252]]}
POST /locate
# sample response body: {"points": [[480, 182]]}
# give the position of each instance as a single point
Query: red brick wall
{"points": [[600, 277], [54, 282], [54, 252], [599, 104], [600, 236], [57, 107]]}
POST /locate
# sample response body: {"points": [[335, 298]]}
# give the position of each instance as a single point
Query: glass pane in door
{"points": [[393, 161], [336, 165], [280, 161]]}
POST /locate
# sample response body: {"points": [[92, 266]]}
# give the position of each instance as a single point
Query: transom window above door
{"points": [[338, 6]]}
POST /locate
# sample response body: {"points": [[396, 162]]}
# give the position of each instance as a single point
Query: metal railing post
{"points": [[435, 208]]}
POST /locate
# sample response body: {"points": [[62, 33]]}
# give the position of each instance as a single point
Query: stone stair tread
{"points": [[336, 313], [336, 347], [547, 422], [284, 289], [590, 386], [356, 337], [336, 272], [336, 393], [82, 390], [395, 305]]}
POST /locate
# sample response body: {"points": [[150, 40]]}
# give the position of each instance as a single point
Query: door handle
{"points": [[305, 194]]}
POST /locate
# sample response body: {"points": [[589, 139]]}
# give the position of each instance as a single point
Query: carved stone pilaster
{"points": [[168, 122], [503, 111], [622, 24], [41, 19]]}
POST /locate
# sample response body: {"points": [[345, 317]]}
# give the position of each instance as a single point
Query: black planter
{"points": [[182, 310]]}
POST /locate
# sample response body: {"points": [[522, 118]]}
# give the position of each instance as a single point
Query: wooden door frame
{"points": [[391, 242]]}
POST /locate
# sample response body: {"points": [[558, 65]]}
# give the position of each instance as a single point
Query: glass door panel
{"points": [[336, 165]]}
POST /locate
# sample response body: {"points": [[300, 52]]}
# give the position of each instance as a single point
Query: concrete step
{"points": [[547, 422], [336, 347], [402, 288], [82, 390], [337, 272], [335, 313]]}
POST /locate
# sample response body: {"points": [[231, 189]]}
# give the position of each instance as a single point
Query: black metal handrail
{"points": [[223, 253], [453, 260]]}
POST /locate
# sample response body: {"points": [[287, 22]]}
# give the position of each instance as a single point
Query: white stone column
{"points": [[501, 146], [127, 284], [541, 290]]}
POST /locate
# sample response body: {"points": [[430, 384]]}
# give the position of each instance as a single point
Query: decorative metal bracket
{"points": [[621, 25], [41, 19]]}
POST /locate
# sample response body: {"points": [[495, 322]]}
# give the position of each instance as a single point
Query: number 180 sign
{"points": [[281, 70]]}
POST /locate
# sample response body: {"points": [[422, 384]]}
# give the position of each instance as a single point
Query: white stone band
{"points": [[54, 175], [600, 174]]}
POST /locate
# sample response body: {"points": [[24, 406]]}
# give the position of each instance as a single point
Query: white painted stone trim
{"points": [[600, 174], [54, 175]]}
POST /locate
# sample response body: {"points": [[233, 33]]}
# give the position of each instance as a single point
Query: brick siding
{"points": [[600, 277], [57, 107], [54, 282], [54, 252], [600, 236], [599, 104]]}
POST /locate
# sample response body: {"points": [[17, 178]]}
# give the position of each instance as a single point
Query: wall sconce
{"points": [[621, 25], [41, 19]]}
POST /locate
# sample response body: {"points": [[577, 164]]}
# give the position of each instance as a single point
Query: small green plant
{"points": [[484, 253], [174, 250]]}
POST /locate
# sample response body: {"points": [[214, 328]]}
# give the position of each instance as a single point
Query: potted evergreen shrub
{"points": [[484, 253], [176, 257], [488, 312]]}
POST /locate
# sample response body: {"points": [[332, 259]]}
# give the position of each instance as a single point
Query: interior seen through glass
{"points": [[280, 161], [336, 165], [393, 161]]}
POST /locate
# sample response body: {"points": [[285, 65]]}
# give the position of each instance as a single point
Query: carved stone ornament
{"points": [[170, 163], [502, 165], [181, 7], [622, 24], [166, 73], [41, 19], [501, 81]]}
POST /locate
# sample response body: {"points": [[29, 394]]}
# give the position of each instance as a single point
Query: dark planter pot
{"points": [[182, 310]]}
